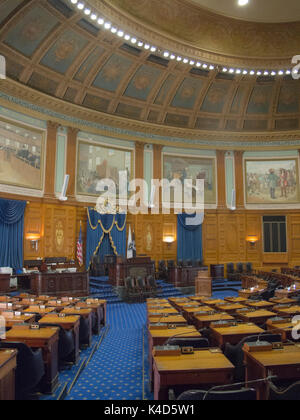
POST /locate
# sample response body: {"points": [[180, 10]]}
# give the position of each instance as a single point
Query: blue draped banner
{"points": [[106, 235], [189, 239], [11, 233]]}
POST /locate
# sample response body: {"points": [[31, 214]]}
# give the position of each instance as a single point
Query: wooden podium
{"points": [[203, 284]]}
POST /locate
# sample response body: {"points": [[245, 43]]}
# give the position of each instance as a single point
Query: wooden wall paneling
{"points": [[254, 227], [170, 229], [293, 234], [229, 238], [210, 239], [242, 237], [33, 223], [60, 231]]}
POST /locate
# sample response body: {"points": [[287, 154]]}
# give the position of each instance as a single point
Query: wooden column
{"points": [[239, 179], [71, 161], [50, 159], [221, 179]]}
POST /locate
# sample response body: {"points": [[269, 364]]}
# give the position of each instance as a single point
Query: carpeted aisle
{"points": [[119, 369]]}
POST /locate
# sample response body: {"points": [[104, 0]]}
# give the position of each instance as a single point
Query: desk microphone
{"points": [[178, 335], [257, 381]]}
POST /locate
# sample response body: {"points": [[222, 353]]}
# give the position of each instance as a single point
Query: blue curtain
{"points": [[11, 233], [189, 239], [106, 235]]}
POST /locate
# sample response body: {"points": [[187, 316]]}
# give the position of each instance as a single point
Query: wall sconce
{"points": [[34, 240], [252, 239], [169, 240]]}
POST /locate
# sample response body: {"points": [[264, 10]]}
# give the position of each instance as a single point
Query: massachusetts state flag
{"points": [[80, 248]]}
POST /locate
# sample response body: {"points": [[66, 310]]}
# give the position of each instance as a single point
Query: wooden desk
{"points": [[38, 310], [285, 293], [257, 317], [171, 319], [247, 293], [203, 368], [159, 337], [284, 328], [282, 301], [103, 305], [47, 340], [134, 267], [60, 284], [233, 335], [287, 311], [230, 308], [183, 276], [204, 321], [8, 365], [235, 299], [68, 323], [285, 364], [4, 283], [167, 311], [97, 314], [263, 304], [14, 320], [212, 302], [86, 314]]}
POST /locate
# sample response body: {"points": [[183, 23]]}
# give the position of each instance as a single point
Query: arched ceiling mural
{"points": [[52, 48]]}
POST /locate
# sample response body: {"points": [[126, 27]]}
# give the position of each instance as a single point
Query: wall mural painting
{"points": [[96, 162], [21, 155], [184, 167], [272, 181]]}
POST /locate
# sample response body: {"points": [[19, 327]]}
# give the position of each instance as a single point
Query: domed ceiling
{"points": [[53, 48]]}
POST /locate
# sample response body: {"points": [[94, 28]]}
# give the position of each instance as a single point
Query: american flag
{"points": [[80, 248]]}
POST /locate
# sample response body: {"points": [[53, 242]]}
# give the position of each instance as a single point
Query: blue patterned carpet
{"points": [[116, 367], [119, 369]]}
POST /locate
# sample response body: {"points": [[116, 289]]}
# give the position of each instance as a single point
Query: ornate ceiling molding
{"points": [[14, 95], [185, 28]]}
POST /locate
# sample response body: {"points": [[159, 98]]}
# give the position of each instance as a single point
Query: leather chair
{"points": [[171, 264], [249, 268], [240, 268], [244, 394], [196, 343], [66, 345], [235, 353], [292, 393], [97, 268], [30, 368], [162, 270], [230, 271], [131, 292]]}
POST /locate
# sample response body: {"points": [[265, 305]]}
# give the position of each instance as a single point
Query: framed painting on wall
{"points": [[96, 162], [272, 181], [188, 167], [21, 155]]}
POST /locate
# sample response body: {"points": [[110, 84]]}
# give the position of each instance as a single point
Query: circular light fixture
{"points": [[243, 2]]}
